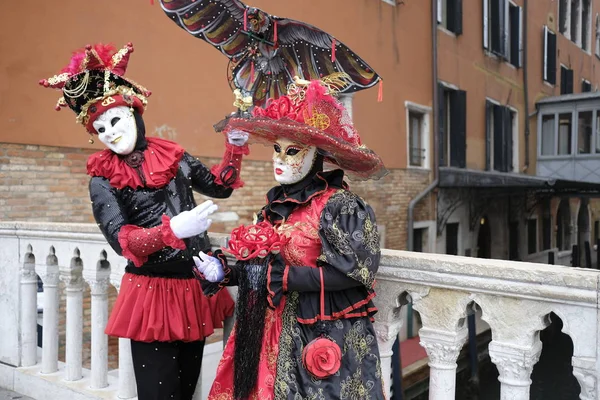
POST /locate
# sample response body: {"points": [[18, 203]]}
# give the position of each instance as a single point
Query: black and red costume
{"points": [[160, 306]]}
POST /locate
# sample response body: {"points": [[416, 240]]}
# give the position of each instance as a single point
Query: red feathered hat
{"points": [[310, 114], [93, 82]]}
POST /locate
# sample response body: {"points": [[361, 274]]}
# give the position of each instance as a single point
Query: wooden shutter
{"points": [[489, 106], [569, 83], [458, 129], [551, 57], [486, 26], [442, 129], [507, 139], [499, 159], [455, 16], [515, 42]]}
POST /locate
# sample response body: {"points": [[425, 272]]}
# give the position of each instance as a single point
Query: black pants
{"points": [[166, 370]]}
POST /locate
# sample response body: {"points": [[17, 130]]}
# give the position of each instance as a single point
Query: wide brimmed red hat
{"points": [[311, 115], [93, 82]]}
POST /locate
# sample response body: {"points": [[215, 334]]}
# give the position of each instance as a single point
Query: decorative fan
{"points": [[266, 52]]}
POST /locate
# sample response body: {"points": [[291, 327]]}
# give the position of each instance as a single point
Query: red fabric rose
{"points": [[322, 357], [259, 240]]}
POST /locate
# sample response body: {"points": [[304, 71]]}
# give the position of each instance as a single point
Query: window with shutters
{"points": [[566, 80], [449, 15], [501, 150], [418, 134], [503, 30], [452, 127], [575, 21], [549, 60], [586, 86]]}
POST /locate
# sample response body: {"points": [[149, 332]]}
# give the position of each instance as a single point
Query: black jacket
{"points": [[113, 208]]}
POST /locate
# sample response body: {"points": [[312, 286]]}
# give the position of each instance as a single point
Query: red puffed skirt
{"points": [[165, 309]]}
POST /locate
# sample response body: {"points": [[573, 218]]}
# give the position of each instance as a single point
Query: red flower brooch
{"points": [[322, 357], [258, 240]]}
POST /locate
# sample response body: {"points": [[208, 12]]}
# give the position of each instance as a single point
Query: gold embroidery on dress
{"points": [[285, 360], [358, 341], [338, 239], [363, 274], [371, 236], [354, 388]]}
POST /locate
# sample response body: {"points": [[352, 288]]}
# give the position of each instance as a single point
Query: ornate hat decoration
{"points": [[93, 82], [310, 114]]}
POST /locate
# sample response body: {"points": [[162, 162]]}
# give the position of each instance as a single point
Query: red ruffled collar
{"points": [[161, 162]]}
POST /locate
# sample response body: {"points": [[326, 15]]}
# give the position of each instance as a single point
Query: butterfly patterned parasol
{"points": [[265, 52]]}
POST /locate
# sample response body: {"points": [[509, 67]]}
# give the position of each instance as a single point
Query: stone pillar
{"points": [[387, 333], [73, 281], [49, 274], [442, 349], [28, 314], [585, 372], [99, 290], [514, 365], [127, 387]]}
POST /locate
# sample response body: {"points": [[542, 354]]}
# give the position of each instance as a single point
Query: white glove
{"points": [[193, 222], [210, 267], [237, 137]]}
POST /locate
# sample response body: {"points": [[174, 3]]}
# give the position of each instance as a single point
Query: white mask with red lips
{"points": [[117, 129], [292, 161]]}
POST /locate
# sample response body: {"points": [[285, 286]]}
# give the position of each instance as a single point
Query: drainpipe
{"points": [[435, 113], [526, 86]]}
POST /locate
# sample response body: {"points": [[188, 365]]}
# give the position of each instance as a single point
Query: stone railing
{"points": [[515, 298]]}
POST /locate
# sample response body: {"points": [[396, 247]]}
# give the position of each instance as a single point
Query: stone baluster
{"points": [[98, 279], [388, 322], [387, 333], [49, 273], [443, 334], [127, 388], [515, 365], [516, 347], [28, 311], [73, 280], [584, 370], [442, 349]]}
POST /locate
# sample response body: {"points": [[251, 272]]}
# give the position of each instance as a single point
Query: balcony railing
{"points": [[516, 300]]}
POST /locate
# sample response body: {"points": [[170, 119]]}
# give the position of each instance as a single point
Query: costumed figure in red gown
{"points": [[142, 199], [306, 269]]}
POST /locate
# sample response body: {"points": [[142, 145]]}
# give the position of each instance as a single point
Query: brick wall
{"points": [[41, 183]]}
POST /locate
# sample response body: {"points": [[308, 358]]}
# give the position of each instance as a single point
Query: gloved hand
{"points": [[210, 267], [237, 137], [193, 222]]}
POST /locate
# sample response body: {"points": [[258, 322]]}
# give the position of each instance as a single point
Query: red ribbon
{"points": [[275, 33], [246, 20], [380, 91]]}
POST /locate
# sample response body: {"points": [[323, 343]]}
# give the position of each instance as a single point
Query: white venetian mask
{"points": [[292, 161], [117, 129]]}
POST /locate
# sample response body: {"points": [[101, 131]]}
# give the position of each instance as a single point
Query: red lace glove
{"points": [[138, 243]]}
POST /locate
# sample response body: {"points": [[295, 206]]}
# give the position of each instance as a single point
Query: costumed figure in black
{"points": [[142, 199], [306, 269]]}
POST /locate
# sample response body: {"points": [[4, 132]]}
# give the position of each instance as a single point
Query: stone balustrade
{"points": [[515, 298]]}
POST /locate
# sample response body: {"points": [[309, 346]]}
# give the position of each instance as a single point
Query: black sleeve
{"points": [[108, 211], [203, 181], [349, 255]]}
